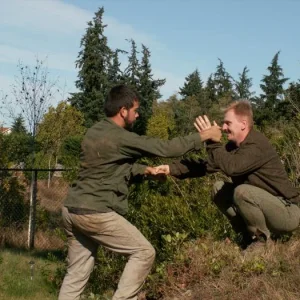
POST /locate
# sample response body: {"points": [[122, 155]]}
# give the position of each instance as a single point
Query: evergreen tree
{"points": [[93, 63], [192, 86], [243, 85], [272, 84], [210, 90], [18, 125], [115, 75], [19, 141], [289, 108], [147, 90], [132, 71], [223, 82], [293, 95]]}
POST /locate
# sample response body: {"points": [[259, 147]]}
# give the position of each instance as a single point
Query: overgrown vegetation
{"points": [[196, 249]]}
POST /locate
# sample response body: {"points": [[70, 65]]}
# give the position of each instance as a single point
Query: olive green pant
{"points": [[112, 231], [253, 209]]}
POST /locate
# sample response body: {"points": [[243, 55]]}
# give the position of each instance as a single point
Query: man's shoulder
{"points": [[257, 136], [103, 126]]}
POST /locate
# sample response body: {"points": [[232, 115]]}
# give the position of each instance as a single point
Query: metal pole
{"points": [[32, 210]]}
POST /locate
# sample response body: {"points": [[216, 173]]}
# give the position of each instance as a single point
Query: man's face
{"points": [[131, 115], [234, 127]]}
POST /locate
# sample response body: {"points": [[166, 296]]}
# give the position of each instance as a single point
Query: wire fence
{"points": [[30, 208]]}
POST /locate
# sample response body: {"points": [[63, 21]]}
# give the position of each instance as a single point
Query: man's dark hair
{"points": [[119, 96]]}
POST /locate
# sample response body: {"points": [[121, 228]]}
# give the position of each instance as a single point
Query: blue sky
{"points": [[182, 35]]}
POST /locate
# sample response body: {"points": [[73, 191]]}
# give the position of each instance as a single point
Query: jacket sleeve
{"points": [[134, 145], [138, 169], [246, 159], [188, 168]]}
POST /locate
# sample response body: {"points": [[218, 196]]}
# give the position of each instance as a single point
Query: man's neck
{"points": [[243, 137], [118, 121]]}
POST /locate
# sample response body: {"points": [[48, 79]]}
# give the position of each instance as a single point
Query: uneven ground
{"points": [[210, 270]]}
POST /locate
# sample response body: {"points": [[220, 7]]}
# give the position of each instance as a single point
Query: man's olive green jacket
{"points": [[107, 163], [254, 162]]}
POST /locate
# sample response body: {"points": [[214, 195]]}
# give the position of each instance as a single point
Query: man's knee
{"points": [[241, 194], [149, 254], [218, 185]]}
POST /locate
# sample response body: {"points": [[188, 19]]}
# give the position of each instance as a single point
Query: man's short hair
{"points": [[119, 96], [242, 108]]}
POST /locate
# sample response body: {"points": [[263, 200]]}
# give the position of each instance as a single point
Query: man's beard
{"points": [[128, 125]]}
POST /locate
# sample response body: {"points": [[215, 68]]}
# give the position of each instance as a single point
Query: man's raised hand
{"points": [[206, 130]]}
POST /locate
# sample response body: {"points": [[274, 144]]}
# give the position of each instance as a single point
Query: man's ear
{"points": [[244, 124], [123, 112]]}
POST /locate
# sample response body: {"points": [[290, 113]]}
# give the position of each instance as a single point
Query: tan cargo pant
{"points": [[256, 209], [85, 233]]}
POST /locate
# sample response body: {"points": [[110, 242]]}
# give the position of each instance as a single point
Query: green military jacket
{"points": [[254, 162], [108, 162]]}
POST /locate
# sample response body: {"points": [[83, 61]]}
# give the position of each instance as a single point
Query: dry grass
{"points": [[18, 239], [50, 201], [52, 198], [210, 270]]}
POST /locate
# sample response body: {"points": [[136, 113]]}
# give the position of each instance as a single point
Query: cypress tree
{"points": [[93, 63]]}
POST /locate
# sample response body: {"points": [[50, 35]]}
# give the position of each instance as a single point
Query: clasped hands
{"points": [[207, 132]]}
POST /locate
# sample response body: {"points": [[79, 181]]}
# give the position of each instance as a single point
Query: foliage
{"points": [[57, 125], [193, 85], [93, 63], [18, 125], [269, 106], [70, 153], [161, 124], [19, 148], [210, 90], [184, 113], [272, 84], [243, 85], [147, 91], [13, 208], [223, 81]]}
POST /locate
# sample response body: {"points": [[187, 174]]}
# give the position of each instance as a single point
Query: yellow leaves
{"points": [[161, 123]]}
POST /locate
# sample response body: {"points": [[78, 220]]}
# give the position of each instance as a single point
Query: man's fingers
{"points": [[162, 169], [200, 122], [206, 119], [215, 124], [197, 127], [203, 122]]}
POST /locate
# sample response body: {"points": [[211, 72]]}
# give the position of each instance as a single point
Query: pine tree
{"points": [[243, 85], [93, 63], [223, 82], [272, 84], [193, 85], [148, 90], [18, 125]]}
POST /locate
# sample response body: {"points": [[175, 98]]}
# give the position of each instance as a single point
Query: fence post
{"points": [[32, 210]]}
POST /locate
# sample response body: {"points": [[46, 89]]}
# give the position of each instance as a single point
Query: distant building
{"points": [[5, 130]]}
